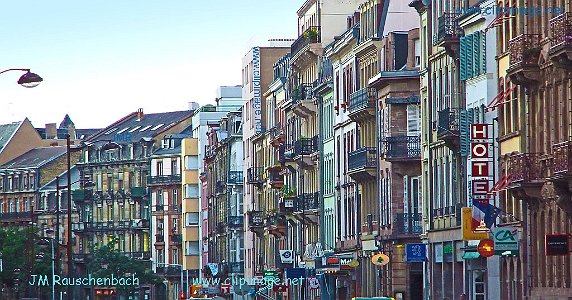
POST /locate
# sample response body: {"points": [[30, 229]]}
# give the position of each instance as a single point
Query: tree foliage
{"points": [[108, 260]]}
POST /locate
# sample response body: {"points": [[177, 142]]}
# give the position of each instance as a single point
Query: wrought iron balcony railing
{"points": [[304, 146], [304, 91], [525, 167], [285, 153], [138, 192], [82, 195], [365, 157], [235, 221], [177, 238], [448, 27], [255, 175], [220, 187], [171, 179], [524, 50], [561, 28], [402, 147], [235, 177], [562, 154], [362, 99], [24, 215], [236, 267], [311, 35], [308, 201], [408, 223], [449, 122]]}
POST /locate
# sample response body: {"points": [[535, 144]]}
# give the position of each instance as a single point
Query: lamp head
{"points": [[30, 80]]}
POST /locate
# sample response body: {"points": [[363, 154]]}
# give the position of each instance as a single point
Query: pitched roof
{"points": [[131, 128], [6, 133], [35, 158], [66, 122]]}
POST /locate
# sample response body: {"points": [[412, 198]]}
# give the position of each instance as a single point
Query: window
{"points": [[472, 55], [413, 120], [175, 256], [159, 168], [160, 256], [174, 167], [160, 201], [191, 219], [191, 191], [175, 202], [191, 162], [191, 248], [175, 225]]}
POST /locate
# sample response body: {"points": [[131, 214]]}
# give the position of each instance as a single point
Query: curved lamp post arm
{"points": [[28, 80]]}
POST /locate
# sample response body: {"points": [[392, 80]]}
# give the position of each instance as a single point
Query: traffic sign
{"points": [[486, 248]]}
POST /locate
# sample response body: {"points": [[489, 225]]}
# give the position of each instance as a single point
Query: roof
{"points": [[66, 122], [82, 134], [6, 133], [35, 158], [130, 128], [51, 185], [167, 151]]}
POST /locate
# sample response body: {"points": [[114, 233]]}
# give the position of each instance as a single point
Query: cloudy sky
{"points": [[103, 59]]}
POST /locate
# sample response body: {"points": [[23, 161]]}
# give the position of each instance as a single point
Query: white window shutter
{"points": [[413, 120], [405, 194]]}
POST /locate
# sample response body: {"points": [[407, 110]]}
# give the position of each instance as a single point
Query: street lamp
{"points": [[46, 242], [28, 80]]}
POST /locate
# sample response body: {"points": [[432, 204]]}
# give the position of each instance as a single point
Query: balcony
{"points": [[23, 216], [287, 204], [362, 105], [409, 223], [138, 192], [277, 135], [220, 187], [526, 179], [82, 195], [561, 46], [308, 40], [362, 164], [285, 153], [402, 148], [449, 33], [177, 239], [304, 148], [235, 177], [235, 222], [524, 54], [275, 177], [302, 101], [255, 175], [159, 238], [170, 271], [449, 126], [256, 220], [164, 179], [210, 152], [138, 255], [562, 174], [307, 207], [236, 267], [277, 225]]}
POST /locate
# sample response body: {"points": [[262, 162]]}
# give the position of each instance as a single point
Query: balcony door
{"points": [[413, 120], [412, 203]]}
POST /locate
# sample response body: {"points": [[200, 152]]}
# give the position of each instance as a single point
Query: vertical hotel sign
{"points": [[479, 186], [257, 101]]}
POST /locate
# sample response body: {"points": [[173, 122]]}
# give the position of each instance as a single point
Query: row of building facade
{"points": [[357, 142]]}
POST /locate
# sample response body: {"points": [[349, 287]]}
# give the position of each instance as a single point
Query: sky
{"points": [[101, 60]]}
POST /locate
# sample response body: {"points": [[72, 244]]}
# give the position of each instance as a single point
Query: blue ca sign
{"points": [[415, 252]]}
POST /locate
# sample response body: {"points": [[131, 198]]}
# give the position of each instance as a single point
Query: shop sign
{"points": [[415, 252], [506, 239], [486, 248], [467, 225], [313, 283], [380, 259], [287, 256], [313, 251], [292, 273], [557, 244]]}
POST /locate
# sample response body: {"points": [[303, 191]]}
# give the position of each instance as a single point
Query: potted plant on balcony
{"points": [[311, 34], [287, 191]]}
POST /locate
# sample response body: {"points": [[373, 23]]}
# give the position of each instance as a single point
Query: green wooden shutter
{"points": [[470, 55], [484, 52], [476, 53], [463, 58]]}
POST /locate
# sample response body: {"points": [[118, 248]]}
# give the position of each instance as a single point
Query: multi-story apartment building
{"points": [[165, 190], [396, 89], [224, 177], [257, 75], [534, 132], [21, 179], [117, 160]]}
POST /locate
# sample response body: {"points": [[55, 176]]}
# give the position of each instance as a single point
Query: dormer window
{"points": [[165, 143]]}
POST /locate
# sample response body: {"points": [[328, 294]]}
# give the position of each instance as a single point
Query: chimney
{"points": [[139, 114], [51, 131]]}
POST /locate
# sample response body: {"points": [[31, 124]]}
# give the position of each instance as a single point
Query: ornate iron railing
{"points": [[235, 177], [174, 178], [561, 28], [303, 146], [308, 201], [448, 27], [402, 147], [524, 49], [362, 99], [365, 157], [304, 91], [562, 154], [449, 121], [311, 35], [524, 167], [255, 175], [409, 223]]}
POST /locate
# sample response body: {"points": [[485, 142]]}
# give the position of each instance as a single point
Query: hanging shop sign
{"points": [[486, 248], [415, 252], [313, 283], [467, 225], [287, 256], [506, 239], [380, 259], [557, 244], [313, 251]]}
